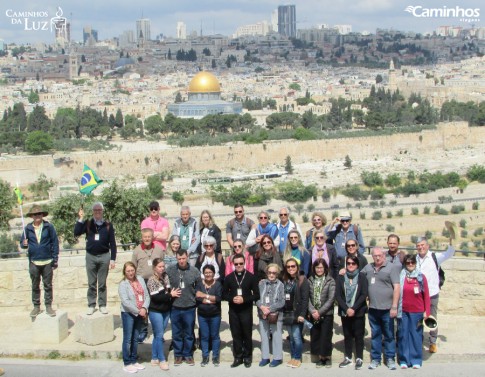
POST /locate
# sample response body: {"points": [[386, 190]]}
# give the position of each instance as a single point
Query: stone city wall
{"points": [[111, 164], [462, 294]]}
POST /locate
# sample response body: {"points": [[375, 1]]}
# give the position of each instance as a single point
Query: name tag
{"points": [[282, 239], [149, 262], [416, 290], [267, 300], [373, 280], [238, 236], [140, 297], [287, 296], [96, 237], [239, 292], [182, 285], [184, 238]]}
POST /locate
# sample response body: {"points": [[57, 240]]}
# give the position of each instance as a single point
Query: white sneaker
{"points": [[130, 369], [138, 366], [90, 310], [103, 310]]}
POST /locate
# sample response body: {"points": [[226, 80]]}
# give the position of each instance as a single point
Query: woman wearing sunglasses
{"points": [[238, 247], [318, 221], [413, 303], [295, 249], [296, 290], [267, 253], [351, 295], [270, 304], [352, 248], [325, 251], [320, 308]]}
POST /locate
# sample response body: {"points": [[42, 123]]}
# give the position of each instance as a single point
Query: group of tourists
{"points": [[295, 280]]}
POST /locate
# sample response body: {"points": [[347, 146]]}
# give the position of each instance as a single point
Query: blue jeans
{"points": [[382, 325], [131, 328], [159, 324], [296, 344], [410, 339], [209, 332], [183, 323]]}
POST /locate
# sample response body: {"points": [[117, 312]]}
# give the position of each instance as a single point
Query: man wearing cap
{"points": [[187, 228], [40, 238], [340, 230], [100, 241], [429, 262], [159, 224]]}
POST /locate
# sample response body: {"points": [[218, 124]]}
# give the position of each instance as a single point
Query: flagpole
{"points": [[21, 212]]}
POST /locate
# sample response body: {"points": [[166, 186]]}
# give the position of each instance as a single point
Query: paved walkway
{"points": [[459, 340]]}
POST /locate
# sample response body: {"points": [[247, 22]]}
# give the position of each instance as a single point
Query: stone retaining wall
{"points": [[462, 294]]}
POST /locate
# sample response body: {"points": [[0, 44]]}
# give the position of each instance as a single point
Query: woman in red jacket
{"points": [[413, 303]]}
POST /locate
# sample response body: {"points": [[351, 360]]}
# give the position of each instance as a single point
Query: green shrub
{"points": [[376, 215], [415, 211]]}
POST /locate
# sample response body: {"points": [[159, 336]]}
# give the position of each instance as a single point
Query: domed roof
{"points": [[204, 82]]}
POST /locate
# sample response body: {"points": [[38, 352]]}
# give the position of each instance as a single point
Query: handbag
{"points": [[289, 318], [272, 318]]}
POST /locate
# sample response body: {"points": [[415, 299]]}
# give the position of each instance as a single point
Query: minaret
{"points": [[73, 66], [392, 77]]}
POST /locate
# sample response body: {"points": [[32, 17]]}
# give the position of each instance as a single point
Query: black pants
{"points": [[241, 324], [354, 328], [321, 337], [36, 273]]}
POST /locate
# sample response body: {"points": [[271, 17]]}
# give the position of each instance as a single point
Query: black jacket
{"points": [[360, 304], [215, 232], [250, 291]]}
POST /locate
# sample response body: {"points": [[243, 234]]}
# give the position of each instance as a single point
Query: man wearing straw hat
{"points": [[40, 238], [429, 263]]}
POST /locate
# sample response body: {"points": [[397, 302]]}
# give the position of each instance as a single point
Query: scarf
{"points": [[318, 282], [415, 274], [351, 288], [325, 254], [296, 254]]}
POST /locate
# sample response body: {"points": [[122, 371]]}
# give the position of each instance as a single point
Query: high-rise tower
{"points": [[287, 20], [143, 32]]}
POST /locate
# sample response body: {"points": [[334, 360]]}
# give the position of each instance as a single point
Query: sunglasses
{"points": [[153, 209], [319, 238], [238, 211], [291, 266], [210, 245], [238, 264], [267, 243], [351, 245], [262, 217], [237, 246], [317, 220], [344, 221], [293, 238], [283, 214], [410, 262], [351, 264], [37, 214]]}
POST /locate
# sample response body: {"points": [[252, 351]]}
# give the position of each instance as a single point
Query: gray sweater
{"points": [[190, 277]]}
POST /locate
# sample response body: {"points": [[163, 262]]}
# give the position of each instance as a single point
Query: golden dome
{"points": [[204, 82]]}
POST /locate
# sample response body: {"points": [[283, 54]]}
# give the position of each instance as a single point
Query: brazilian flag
{"points": [[20, 197], [89, 181]]}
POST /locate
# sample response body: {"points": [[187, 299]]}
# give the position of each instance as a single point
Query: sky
{"points": [[112, 17]]}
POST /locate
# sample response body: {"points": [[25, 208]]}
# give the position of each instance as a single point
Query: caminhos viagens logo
{"points": [[463, 14]]}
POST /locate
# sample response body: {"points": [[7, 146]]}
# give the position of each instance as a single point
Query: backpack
{"points": [[252, 250], [441, 273]]}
